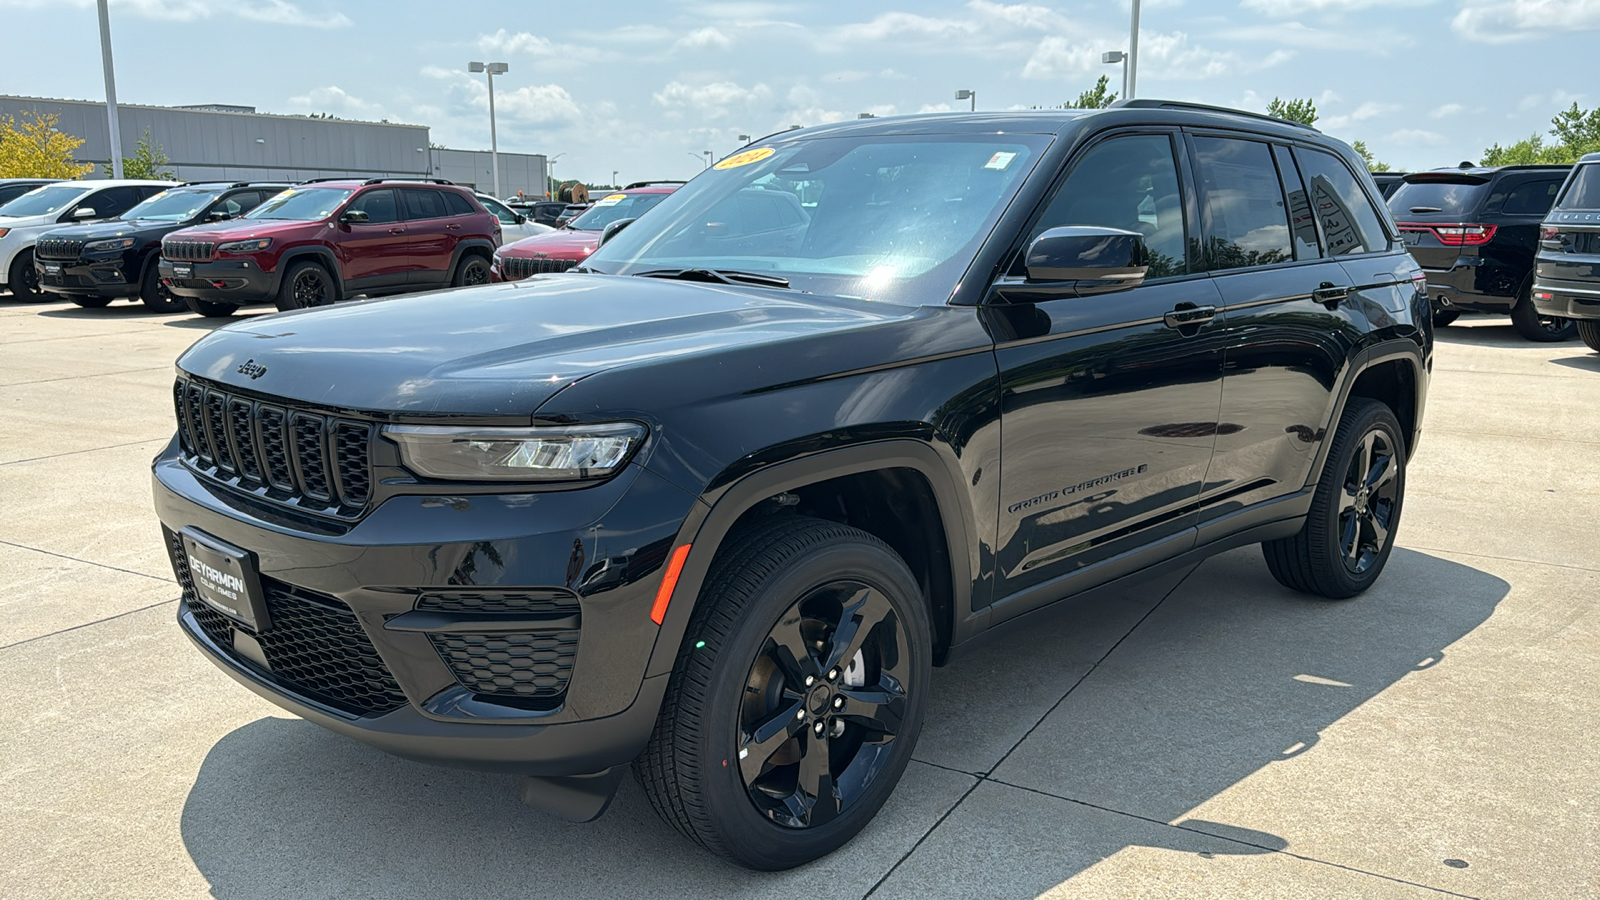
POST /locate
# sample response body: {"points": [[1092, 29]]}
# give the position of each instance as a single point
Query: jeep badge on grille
{"points": [[249, 367]]}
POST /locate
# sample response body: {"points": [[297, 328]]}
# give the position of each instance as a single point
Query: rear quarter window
{"points": [[1350, 223], [1531, 198], [1583, 188]]}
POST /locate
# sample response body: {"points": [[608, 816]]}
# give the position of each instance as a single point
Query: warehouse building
{"points": [[220, 142]]}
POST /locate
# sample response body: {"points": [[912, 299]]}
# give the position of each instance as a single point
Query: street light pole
{"points": [[968, 95], [1111, 58], [492, 69], [1133, 54], [111, 91]]}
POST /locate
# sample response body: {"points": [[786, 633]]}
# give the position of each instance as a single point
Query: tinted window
{"points": [[1583, 188], [113, 202], [457, 205], [378, 204], [613, 207], [10, 192], [1242, 210], [423, 204], [301, 204], [1453, 199], [1302, 224], [1531, 198], [41, 201], [1129, 183], [1349, 223]]}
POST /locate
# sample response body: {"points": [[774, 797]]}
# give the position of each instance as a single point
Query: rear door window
{"points": [[1302, 222], [422, 203], [1583, 188], [1243, 211], [113, 202], [1350, 223]]}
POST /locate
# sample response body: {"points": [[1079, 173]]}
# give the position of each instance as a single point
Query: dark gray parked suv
{"points": [[1567, 274]]}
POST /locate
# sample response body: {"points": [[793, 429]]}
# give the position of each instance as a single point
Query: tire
{"points": [[471, 271], [1443, 317], [1540, 328], [786, 575], [1319, 559], [1589, 331], [305, 285], [155, 295], [209, 308], [92, 302], [23, 279]]}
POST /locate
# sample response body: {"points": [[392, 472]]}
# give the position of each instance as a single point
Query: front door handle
{"points": [[1188, 314], [397, 231], [1330, 294]]}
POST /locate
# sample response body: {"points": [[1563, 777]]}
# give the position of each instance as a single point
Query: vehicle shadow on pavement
{"points": [[1588, 363], [1208, 689]]}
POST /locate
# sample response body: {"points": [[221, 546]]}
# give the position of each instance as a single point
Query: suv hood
{"points": [[563, 243], [113, 228], [240, 229], [500, 351]]}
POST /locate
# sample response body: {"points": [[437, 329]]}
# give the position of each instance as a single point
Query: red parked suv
{"points": [[574, 241], [326, 240]]}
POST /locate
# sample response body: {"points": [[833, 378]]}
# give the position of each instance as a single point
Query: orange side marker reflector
{"points": [[658, 612]]}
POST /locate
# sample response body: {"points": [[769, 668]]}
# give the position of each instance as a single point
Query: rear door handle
{"points": [[1187, 315], [1330, 295], [453, 227]]}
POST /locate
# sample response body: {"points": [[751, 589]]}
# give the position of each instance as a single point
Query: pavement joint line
{"points": [[87, 450], [1507, 374], [1231, 840], [931, 829], [78, 377], [75, 337], [87, 562], [119, 615], [1488, 434], [1531, 562]]}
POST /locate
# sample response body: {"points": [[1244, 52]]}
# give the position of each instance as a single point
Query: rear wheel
{"points": [[305, 285], [23, 280], [471, 270], [1589, 331], [92, 302], [155, 295], [209, 308], [1536, 326], [797, 697], [1355, 509], [1443, 317]]}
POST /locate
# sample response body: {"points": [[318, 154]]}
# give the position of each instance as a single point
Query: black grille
{"points": [[555, 603], [187, 250], [513, 268], [55, 248], [529, 667], [316, 462], [315, 646]]}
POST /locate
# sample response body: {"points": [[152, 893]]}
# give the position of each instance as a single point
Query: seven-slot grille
{"points": [[315, 462], [54, 248], [515, 267], [181, 250]]}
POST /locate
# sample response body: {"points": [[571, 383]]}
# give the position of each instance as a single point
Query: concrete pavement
{"points": [[1206, 735]]}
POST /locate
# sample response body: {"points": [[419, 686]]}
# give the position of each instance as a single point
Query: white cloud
{"points": [[1416, 136], [896, 24], [934, 108], [272, 12], [537, 103], [712, 101], [1448, 109], [1505, 21], [1371, 109], [702, 39], [1168, 55], [1298, 34], [337, 101], [1294, 8], [504, 43], [1056, 56]]}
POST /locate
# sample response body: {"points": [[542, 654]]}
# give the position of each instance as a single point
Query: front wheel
{"points": [[155, 295], [23, 279], [472, 270], [92, 302], [1355, 510], [1538, 327], [797, 696], [1589, 331], [304, 286], [209, 308]]}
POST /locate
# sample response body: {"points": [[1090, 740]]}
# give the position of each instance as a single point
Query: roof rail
{"points": [[331, 178], [640, 184], [1140, 103], [414, 180]]}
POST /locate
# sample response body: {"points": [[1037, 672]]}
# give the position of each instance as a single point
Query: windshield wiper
{"points": [[717, 276]]}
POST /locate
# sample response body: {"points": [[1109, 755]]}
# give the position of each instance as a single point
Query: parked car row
{"points": [[579, 236], [1567, 270]]}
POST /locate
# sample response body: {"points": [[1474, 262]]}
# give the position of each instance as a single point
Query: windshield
{"points": [[614, 207], [304, 205], [883, 217], [43, 201], [1583, 189], [172, 206], [1435, 197]]}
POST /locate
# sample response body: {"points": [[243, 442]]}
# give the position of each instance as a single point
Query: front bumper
{"points": [[407, 691], [86, 277], [237, 281], [1567, 299]]}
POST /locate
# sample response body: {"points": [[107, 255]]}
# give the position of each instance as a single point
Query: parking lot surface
{"points": [[1210, 734]]}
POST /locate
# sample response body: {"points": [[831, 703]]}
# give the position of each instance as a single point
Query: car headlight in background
{"points": [[245, 246], [575, 453], [114, 244], [496, 259]]}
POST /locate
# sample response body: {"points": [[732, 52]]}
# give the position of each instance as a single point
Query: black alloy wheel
{"points": [[1538, 327], [824, 701], [305, 286], [471, 271], [1368, 501], [209, 308], [155, 295], [23, 279]]}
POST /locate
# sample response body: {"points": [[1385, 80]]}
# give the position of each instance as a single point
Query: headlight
{"points": [[116, 244], [497, 259], [516, 454], [245, 246]]}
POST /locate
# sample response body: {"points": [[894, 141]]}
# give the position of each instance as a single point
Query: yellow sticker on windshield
{"points": [[745, 158], [612, 200]]}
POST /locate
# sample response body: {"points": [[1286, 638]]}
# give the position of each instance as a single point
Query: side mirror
{"points": [[614, 229], [1077, 260], [83, 212], [218, 215], [355, 217], [521, 219]]}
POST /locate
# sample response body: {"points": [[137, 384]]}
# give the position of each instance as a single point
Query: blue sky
{"points": [[642, 87]]}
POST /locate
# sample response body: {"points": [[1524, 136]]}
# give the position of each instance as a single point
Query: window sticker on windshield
{"points": [[745, 158], [1000, 160], [612, 200]]}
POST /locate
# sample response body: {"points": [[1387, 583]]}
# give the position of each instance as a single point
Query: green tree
{"points": [[1293, 110], [1575, 131], [1373, 165], [38, 149], [146, 162], [1097, 97]]}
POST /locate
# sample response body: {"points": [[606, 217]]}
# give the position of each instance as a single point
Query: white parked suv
{"points": [[66, 202], [514, 226]]}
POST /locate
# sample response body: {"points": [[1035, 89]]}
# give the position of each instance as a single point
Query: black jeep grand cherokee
{"points": [[714, 505]]}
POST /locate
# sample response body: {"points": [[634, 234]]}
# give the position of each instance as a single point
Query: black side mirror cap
{"points": [[613, 229], [354, 217], [1076, 260]]}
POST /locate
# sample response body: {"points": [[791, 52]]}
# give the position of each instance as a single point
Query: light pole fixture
{"points": [[708, 157], [701, 157], [1133, 55], [550, 175], [744, 139], [491, 70], [614, 181], [968, 95], [1111, 58], [111, 91], [865, 116]]}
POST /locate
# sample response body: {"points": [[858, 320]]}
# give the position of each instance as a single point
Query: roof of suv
{"points": [[1480, 172]]}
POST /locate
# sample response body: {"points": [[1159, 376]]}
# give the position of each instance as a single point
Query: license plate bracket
{"points": [[225, 578], [50, 269], [182, 271]]}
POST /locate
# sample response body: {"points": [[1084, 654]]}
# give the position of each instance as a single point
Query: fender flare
{"points": [[323, 256], [464, 247], [710, 520], [1382, 353]]}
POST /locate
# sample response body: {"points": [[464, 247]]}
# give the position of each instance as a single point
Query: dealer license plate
{"points": [[52, 270], [182, 271], [225, 579]]}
